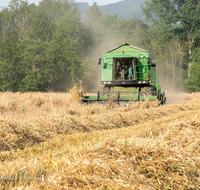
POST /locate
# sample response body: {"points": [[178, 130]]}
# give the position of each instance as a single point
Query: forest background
{"points": [[49, 47]]}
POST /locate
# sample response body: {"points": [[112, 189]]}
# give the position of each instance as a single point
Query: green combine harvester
{"points": [[128, 74]]}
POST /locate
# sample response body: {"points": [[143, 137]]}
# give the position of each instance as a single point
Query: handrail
{"points": [[152, 76], [151, 71]]}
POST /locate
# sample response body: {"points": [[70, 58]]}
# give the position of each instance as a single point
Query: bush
{"points": [[192, 83]]}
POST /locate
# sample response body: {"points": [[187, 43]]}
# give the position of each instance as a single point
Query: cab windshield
{"points": [[124, 68]]}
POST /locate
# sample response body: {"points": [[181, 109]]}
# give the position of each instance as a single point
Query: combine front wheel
{"points": [[106, 91], [147, 91]]}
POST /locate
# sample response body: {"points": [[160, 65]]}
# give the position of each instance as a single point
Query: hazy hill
{"points": [[123, 9]]}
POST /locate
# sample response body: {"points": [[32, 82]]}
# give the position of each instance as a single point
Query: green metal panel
{"points": [[106, 73], [125, 51], [129, 51], [130, 89], [148, 97]]}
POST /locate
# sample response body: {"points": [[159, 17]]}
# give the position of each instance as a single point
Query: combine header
{"points": [[128, 74]]}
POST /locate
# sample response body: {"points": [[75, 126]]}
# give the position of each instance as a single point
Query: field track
{"points": [[51, 141]]}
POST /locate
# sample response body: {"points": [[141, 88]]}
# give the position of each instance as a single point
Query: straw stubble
{"points": [[64, 144]]}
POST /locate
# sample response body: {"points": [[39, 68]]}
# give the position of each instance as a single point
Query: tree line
{"points": [[48, 47]]}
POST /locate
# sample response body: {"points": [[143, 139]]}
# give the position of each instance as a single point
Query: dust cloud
{"points": [[93, 82], [173, 95], [176, 95]]}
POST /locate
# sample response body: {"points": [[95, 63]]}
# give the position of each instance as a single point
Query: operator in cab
{"points": [[130, 70], [123, 70]]}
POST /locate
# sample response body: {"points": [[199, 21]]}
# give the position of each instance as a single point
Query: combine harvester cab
{"points": [[128, 74]]}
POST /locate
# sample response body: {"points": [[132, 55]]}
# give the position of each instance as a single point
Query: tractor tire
{"points": [[147, 91], [161, 100], [106, 91]]}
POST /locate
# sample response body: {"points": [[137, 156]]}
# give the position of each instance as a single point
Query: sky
{"points": [[99, 2]]}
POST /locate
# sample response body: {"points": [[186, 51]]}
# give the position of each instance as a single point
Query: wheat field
{"points": [[52, 141]]}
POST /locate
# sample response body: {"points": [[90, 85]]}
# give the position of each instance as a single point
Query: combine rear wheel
{"points": [[161, 100]]}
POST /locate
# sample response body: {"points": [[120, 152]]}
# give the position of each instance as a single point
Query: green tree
{"points": [[37, 65], [92, 28], [189, 17], [13, 27], [109, 24], [192, 83], [66, 48], [50, 52], [40, 45], [93, 17], [181, 18]]}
